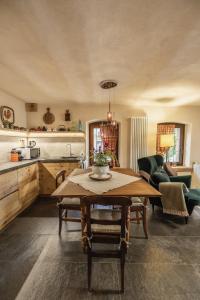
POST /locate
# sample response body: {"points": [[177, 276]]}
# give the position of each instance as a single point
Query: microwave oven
{"points": [[29, 153]]}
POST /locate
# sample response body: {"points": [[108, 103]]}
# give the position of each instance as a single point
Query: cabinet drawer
{"points": [[8, 183], [9, 206]]}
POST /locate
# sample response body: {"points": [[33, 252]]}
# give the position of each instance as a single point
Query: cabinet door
{"points": [[48, 173], [8, 183], [28, 179], [9, 207]]}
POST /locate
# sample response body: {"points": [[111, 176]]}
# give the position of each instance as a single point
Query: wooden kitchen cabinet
{"points": [[8, 183], [9, 208], [28, 181], [19, 189], [9, 197], [48, 173]]}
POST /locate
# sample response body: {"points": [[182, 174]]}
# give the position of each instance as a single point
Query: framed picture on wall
{"points": [[7, 115]]}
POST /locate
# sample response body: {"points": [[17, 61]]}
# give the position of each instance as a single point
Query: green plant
{"points": [[101, 158]]}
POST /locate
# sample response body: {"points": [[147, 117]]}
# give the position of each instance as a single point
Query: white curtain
{"points": [[138, 140]]}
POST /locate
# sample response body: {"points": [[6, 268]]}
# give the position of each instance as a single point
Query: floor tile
{"points": [[36, 263], [160, 281]]}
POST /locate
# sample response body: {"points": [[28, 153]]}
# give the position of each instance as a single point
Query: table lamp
{"points": [[166, 141]]}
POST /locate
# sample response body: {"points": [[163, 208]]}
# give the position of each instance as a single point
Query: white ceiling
{"points": [[53, 51]]}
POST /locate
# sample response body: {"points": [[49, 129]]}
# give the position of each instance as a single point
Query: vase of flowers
{"points": [[101, 161]]}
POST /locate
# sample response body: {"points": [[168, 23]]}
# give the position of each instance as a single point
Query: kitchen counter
{"points": [[22, 182], [10, 166]]}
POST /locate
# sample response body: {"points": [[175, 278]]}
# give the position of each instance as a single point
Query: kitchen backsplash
{"points": [[48, 147], [52, 148], [6, 145]]}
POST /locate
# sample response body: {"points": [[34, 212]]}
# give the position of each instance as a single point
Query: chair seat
{"points": [[70, 201], [105, 214], [136, 201]]}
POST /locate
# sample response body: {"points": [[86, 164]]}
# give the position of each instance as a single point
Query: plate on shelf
{"points": [[100, 178]]}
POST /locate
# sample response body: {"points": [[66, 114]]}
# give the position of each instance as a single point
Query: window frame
{"points": [[181, 126]]}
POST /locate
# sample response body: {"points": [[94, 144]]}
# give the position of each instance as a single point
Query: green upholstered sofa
{"points": [[153, 170]]}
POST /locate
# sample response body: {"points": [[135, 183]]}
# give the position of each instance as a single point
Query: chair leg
{"points": [[122, 264], [186, 220], [60, 219], [137, 216], [145, 221], [66, 213], [89, 270]]}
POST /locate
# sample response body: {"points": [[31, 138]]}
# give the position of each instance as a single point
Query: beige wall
{"points": [[7, 143], [17, 105], [86, 113]]}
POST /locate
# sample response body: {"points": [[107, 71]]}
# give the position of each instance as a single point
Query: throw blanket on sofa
{"points": [[173, 200]]}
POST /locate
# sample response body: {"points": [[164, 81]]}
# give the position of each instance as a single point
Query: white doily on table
{"points": [[100, 187]]}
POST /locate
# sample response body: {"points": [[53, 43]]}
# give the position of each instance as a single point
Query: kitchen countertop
{"points": [[11, 166]]}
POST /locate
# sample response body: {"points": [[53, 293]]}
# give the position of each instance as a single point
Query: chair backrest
{"points": [[123, 202], [150, 164], [60, 177]]}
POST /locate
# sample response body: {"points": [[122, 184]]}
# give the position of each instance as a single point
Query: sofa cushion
{"points": [[158, 177], [161, 170], [153, 164]]}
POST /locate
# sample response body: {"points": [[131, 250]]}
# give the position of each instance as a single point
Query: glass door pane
{"points": [[98, 145]]}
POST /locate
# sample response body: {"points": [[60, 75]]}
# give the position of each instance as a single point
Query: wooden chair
{"points": [[139, 207], [66, 203], [105, 226]]}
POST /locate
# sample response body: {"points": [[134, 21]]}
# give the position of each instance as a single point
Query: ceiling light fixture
{"points": [[108, 84]]}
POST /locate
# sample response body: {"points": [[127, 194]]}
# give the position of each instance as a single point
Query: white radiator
{"points": [[196, 176], [138, 140]]}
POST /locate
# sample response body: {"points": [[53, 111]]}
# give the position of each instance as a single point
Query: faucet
{"points": [[70, 149]]}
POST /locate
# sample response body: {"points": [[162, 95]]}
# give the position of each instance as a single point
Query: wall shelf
{"points": [[56, 134], [13, 133], [40, 134]]}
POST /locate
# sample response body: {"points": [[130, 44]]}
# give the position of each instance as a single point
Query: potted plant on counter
{"points": [[101, 161]]}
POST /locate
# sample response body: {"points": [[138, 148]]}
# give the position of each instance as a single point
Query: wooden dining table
{"points": [[139, 188]]}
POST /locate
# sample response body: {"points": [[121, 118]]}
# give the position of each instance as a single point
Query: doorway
{"points": [[100, 137]]}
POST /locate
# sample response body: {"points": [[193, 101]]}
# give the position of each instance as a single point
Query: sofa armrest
{"points": [[144, 175], [184, 178]]}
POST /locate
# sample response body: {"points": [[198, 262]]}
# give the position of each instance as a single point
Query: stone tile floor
{"points": [[36, 264]]}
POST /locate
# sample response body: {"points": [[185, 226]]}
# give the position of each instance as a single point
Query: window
{"points": [[175, 154], [98, 144]]}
